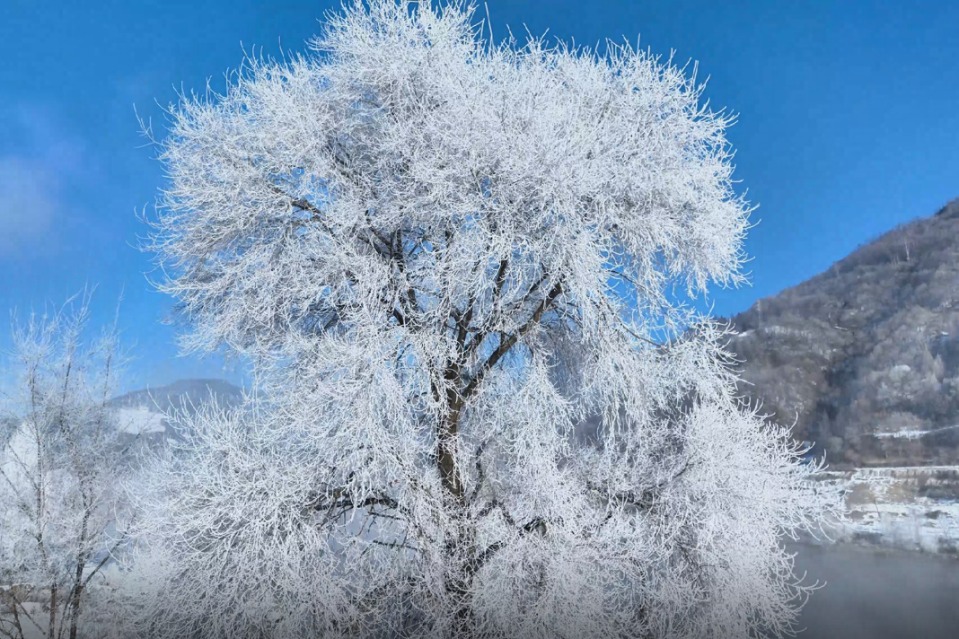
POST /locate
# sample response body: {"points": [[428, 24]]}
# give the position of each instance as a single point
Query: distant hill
{"points": [[143, 412], [184, 391], [864, 358]]}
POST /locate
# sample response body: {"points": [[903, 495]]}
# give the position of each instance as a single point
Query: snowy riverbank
{"points": [[908, 508]]}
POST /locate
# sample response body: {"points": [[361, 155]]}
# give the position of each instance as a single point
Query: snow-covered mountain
{"points": [[144, 412]]}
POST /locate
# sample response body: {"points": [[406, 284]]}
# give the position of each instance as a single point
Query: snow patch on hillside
{"points": [[912, 434], [140, 420]]}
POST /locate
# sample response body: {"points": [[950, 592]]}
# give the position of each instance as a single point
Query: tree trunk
{"points": [[51, 629], [75, 610], [77, 591], [460, 580], [460, 577], [448, 434]]}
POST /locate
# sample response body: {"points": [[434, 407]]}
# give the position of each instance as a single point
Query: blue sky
{"points": [[848, 126]]}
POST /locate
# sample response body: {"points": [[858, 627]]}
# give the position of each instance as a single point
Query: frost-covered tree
{"points": [[59, 467], [458, 267]]}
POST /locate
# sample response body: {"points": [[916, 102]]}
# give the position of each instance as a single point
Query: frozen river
{"points": [[879, 595]]}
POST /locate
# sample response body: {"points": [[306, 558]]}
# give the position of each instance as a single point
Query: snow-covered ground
{"points": [[912, 508]]}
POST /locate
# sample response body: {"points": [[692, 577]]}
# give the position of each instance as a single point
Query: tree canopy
{"points": [[482, 408]]}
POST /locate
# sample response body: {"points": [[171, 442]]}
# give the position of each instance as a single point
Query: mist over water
{"points": [[879, 594]]}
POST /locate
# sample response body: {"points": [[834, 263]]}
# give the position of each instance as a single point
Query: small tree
{"points": [[59, 464], [483, 412]]}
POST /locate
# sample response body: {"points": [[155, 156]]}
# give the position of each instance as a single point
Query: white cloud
{"points": [[40, 160], [29, 204]]}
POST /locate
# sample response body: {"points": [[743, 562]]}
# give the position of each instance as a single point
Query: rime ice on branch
{"points": [[482, 413]]}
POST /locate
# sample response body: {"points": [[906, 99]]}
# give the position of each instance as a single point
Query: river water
{"points": [[879, 595]]}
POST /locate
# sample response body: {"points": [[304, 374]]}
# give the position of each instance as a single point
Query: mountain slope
{"points": [[143, 412], [864, 358]]}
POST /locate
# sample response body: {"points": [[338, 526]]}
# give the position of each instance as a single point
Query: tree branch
{"points": [[646, 498], [509, 341], [480, 471], [537, 524]]}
